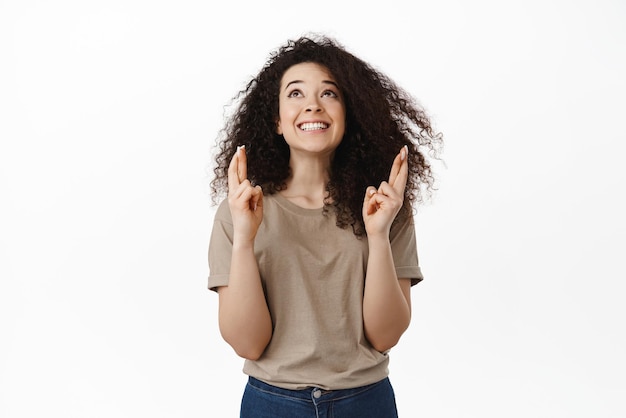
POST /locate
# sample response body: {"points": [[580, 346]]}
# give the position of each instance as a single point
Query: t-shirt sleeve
{"points": [[404, 250], [220, 247]]}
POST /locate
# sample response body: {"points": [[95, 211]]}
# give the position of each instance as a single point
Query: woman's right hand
{"points": [[244, 200]]}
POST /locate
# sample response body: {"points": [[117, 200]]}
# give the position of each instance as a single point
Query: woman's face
{"points": [[312, 113]]}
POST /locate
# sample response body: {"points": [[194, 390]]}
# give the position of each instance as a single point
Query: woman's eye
{"points": [[329, 93], [295, 93]]}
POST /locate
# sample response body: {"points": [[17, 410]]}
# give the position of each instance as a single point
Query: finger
{"points": [[397, 165], [242, 168], [386, 189], [395, 169], [369, 192], [370, 203], [242, 191], [233, 177], [371, 206], [399, 182], [256, 201], [377, 202]]}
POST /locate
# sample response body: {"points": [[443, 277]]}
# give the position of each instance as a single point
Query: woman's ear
{"points": [[279, 130]]}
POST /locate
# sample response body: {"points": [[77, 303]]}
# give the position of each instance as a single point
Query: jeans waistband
{"points": [[309, 392]]}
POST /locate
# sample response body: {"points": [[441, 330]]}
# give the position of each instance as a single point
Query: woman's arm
{"points": [[244, 318], [386, 300]]}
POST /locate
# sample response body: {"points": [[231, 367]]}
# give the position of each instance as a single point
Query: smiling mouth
{"points": [[313, 126]]}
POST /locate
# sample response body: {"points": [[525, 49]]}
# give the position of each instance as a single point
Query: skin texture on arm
{"points": [[386, 300], [244, 319]]}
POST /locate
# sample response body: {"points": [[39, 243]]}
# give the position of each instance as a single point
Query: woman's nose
{"points": [[313, 106]]}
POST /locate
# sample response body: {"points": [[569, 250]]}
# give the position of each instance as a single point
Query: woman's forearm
{"points": [[386, 300], [244, 318]]}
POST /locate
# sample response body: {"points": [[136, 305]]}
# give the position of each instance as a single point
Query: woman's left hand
{"points": [[381, 205]]}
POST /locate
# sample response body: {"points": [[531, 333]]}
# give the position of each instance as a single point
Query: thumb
{"points": [[369, 204], [257, 198], [369, 192]]}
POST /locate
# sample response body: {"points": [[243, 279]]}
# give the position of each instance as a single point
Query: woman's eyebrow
{"points": [[301, 81], [293, 82]]}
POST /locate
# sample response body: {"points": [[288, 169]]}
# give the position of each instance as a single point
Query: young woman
{"points": [[313, 253]]}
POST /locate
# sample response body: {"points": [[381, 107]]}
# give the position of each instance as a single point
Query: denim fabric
{"points": [[261, 400]]}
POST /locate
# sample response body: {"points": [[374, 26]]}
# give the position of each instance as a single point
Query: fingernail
{"points": [[404, 152], [239, 147], [372, 192]]}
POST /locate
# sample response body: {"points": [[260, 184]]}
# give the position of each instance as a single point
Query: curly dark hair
{"points": [[380, 119]]}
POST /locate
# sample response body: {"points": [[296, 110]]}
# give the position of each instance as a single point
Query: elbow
{"points": [[249, 353], [385, 338], [383, 346], [247, 348], [248, 343], [250, 350]]}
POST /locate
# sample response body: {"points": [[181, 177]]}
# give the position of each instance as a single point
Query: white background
{"points": [[108, 115]]}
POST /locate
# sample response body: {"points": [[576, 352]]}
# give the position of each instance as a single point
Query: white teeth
{"points": [[311, 126]]}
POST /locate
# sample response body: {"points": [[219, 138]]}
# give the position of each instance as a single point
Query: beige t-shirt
{"points": [[313, 273]]}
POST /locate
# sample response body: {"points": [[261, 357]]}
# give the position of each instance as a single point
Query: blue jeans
{"points": [[261, 400]]}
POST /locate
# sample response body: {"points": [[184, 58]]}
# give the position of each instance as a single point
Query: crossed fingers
{"points": [[239, 187], [397, 176], [389, 196]]}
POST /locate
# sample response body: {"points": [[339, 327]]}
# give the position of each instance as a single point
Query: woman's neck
{"points": [[307, 185]]}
